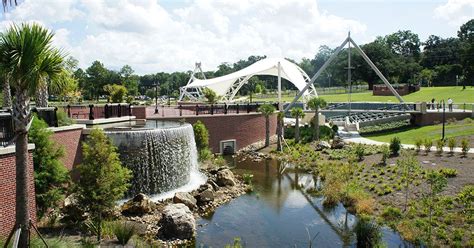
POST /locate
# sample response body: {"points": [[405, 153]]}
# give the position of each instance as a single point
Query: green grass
{"points": [[409, 134], [458, 95]]}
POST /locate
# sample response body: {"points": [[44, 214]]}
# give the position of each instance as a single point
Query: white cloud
{"points": [[456, 12], [150, 38]]}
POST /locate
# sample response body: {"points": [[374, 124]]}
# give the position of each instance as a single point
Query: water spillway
{"points": [[162, 156]]}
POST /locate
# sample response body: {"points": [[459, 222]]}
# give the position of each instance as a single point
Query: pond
{"points": [[279, 213]]}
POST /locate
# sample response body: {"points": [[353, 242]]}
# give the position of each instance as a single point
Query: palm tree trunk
{"points": [[316, 124], [267, 131], [297, 129], [7, 95], [279, 133], [21, 114], [42, 96]]}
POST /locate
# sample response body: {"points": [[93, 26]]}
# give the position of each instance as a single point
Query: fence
{"points": [[208, 109], [92, 112], [6, 128]]}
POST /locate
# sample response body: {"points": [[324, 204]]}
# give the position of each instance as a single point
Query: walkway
{"points": [[354, 137]]}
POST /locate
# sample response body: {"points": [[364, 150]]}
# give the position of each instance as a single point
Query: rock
{"points": [[225, 178], [214, 185], [177, 222], [185, 198], [321, 145], [139, 205], [337, 143], [205, 196]]}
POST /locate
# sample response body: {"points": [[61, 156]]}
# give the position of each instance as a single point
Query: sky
{"points": [[171, 35]]}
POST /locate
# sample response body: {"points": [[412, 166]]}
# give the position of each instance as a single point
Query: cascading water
{"points": [[163, 158]]}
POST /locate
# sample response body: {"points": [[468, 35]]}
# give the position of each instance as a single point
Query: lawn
{"points": [[410, 134], [425, 94]]}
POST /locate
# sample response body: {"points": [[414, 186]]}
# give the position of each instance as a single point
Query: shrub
{"points": [[439, 146], [448, 172], [395, 145], [428, 143], [367, 232], [247, 178], [418, 144], [385, 153], [464, 146], [451, 144], [63, 119], [359, 151], [201, 136], [391, 213], [205, 154], [50, 175], [124, 231], [335, 128], [116, 92]]}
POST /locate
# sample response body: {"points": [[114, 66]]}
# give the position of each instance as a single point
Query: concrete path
{"points": [[354, 137]]}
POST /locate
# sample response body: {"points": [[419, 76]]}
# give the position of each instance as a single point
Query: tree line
{"points": [[401, 56]]}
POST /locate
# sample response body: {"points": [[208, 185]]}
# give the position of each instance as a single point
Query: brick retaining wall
{"points": [[244, 128], [69, 138], [8, 190]]}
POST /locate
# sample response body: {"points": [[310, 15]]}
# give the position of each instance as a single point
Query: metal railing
{"points": [[208, 109], [92, 112]]}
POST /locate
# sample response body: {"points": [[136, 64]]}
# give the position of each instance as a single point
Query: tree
{"points": [[315, 104], [436, 182], [280, 123], [50, 174], [96, 80], [409, 164], [27, 56], [466, 36], [297, 113], [427, 75], [116, 92], [7, 94], [129, 80], [210, 95], [267, 110], [103, 181]]}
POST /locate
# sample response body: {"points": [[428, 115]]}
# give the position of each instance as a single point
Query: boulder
{"points": [[337, 143], [139, 205], [185, 198], [177, 222], [225, 178], [321, 145], [205, 196]]}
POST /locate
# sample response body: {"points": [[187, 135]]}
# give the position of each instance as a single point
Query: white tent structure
{"points": [[227, 86]]}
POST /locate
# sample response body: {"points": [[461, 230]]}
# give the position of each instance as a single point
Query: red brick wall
{"points": [[70, 140], [8, 190], [431, 118], [139, 112], [244, 128]]}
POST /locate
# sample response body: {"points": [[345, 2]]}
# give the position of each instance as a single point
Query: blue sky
{"points": [[167, 35]]}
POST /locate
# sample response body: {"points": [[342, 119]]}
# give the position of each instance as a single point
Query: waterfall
{"points": [[162, 159]]}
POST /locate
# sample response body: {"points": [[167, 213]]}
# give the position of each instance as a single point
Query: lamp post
{"points": [[156, 97]]}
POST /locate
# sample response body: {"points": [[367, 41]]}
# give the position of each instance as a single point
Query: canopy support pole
{"points": [[280, 106]]}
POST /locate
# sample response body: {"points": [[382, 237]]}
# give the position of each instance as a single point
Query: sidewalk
{"points": [[354, 137]]}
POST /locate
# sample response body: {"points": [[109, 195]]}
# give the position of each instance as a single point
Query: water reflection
{"points": [[279, 213]]}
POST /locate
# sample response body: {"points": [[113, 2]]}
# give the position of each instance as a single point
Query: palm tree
{"points": [[29, 61], [315, 104], [280, 120], [297, 113], [267, 110], [7, 94]]}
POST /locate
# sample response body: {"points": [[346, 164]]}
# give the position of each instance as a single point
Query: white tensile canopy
{"points": [[228, 85]]}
